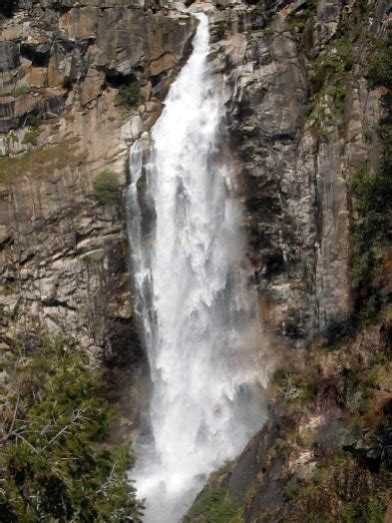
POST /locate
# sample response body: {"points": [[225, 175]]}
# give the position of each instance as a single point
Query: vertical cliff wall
{"points": [[309, 119], [78, 83], [302, 118]]}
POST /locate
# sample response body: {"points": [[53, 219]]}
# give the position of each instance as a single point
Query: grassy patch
{"points": [[39, 162], [24, 89], [215, 506]]}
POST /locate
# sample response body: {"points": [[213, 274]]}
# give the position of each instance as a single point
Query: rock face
{"points": [[303, 119], [298, 145], [63, 254], [309, 463], [66, 68]]}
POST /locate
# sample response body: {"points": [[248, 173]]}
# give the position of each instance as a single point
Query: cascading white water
{"points": [[198, 311]]}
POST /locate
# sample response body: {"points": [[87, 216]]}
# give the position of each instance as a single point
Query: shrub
{"points": [[31, 136], [380, 69], [106, 187], [367, 135], [128, 94], [221, 30], [32, 120], [54, 461], [67, 83], [335, 328]]}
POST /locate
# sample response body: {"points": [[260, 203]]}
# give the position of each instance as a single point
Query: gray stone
{"points": [[9, 56]]}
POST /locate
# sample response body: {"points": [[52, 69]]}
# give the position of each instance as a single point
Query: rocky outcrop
{"points": [[63, 253]]}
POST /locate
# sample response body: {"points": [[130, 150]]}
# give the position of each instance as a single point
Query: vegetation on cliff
{"points": [[215, 507], [55, 462], [40, 162], [106, 187], [128, 94], [325, 454], [371, 232]]}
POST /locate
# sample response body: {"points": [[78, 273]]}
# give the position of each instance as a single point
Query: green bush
{"points": [[221, 30], [335, 328], [128, 94], [380, 69], [31, 136], [55, 463], [32, 120], [106, 187], [67, 83]]}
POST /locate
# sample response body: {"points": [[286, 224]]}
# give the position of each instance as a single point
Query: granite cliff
{"points": [[79, 82], [64, 251], [309, 111]]}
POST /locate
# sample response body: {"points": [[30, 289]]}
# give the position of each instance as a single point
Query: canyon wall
{"points": [[296, 137], [308, 120], [63, 251], [301, 117], [80, 81]]}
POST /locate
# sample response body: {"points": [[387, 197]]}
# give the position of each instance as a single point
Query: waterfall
{"points": [[197, 308]]}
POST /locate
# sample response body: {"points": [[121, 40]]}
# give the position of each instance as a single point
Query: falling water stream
{"points": [[197, 309]]}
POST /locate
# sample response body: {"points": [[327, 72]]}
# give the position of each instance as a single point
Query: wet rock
{"points": [[37, 54], [273, 262], [9, 56], [294, 183]]}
